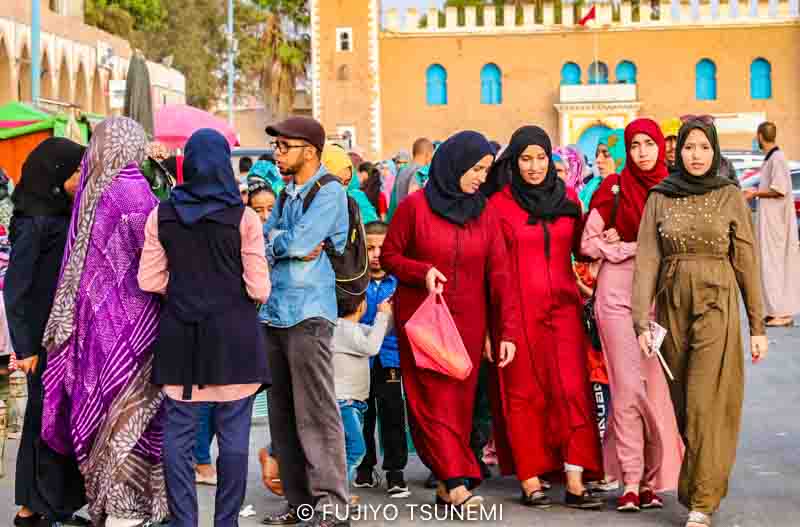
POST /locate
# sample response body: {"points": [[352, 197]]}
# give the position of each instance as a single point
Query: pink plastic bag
{"points": [[435, 340]]}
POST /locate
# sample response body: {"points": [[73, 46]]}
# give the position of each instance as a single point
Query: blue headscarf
{"points": [[451, 161], [268, 172], [209, 184]]}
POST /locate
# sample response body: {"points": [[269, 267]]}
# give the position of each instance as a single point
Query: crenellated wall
{"points": [[551, 17]]}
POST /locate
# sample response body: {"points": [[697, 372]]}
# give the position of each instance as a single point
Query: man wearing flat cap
{"points": [[299, 318]]}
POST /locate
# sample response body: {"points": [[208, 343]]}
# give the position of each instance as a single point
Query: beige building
{"points": [[77, 60], [387, 80]]}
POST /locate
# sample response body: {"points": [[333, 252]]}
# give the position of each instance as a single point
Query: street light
{"points": [[231, 52], [36, 27]]}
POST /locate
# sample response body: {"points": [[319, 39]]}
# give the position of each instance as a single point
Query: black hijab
{"points": [[451, 161], [548, 200], [209, 185], [680, 183], [41, 188], [372, 187]]}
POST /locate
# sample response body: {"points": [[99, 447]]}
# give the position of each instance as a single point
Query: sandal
{"points": [[471, 503], [780, 322], [27, 521], [698, 519], [537, 499]]}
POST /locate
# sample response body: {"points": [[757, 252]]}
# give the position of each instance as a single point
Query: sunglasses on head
{"points": [[705, 119]]}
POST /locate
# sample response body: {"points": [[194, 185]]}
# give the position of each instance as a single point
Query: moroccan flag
{"points": [[591, 15]]}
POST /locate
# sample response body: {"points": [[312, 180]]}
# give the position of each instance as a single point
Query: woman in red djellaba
{"points": [[444, 240], [544, 415]]}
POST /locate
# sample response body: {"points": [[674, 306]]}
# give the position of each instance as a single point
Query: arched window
{"points": [[570, 74], [491, 85], [760, 79], [436, 85], [705, 83], [343, 73], [626, 72], [598, 73]]}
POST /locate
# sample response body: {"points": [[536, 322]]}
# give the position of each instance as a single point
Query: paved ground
{"points": [[765, 489]]}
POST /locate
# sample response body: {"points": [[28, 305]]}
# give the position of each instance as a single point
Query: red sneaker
{"points": [[628, 503], [650, 500]]}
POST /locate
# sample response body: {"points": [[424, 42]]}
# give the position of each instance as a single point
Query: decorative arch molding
{"points": [[82, 92]]}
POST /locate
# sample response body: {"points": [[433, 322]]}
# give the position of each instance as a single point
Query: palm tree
{"points": [[287, 53]]}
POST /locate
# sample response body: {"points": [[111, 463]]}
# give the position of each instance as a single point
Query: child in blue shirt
{"points": [[386, 391]]}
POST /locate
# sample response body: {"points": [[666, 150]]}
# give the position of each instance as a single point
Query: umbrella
{"points": [[138, 105], [175, 123]]}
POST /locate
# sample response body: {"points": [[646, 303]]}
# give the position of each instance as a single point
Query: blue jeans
{"points": [[353, 421], [205, 434]]}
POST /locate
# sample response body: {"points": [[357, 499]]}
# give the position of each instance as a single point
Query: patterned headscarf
{"points": [[157, 151], [116, 143], [575, 166]]}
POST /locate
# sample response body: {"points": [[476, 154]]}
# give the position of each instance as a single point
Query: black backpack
{"points": [[351, 266]]}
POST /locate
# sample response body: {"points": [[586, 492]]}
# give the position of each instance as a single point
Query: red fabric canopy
{"points": [[175, 123]]}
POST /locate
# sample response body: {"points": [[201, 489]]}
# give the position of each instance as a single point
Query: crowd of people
{"points": [[148, 315]]}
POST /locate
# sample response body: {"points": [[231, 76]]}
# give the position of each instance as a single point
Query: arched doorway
{"points": [[64, 84], [589, 139], [24, 75], [98, 93], [82, 89], [48, 90], [7, 91]]}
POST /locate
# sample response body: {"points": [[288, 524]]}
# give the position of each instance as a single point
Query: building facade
{"points": [[78, 61], [494, 70]]}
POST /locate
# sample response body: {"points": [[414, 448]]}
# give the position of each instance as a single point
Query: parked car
{"points": [[755, 180], [744, 161], [252, 153]]}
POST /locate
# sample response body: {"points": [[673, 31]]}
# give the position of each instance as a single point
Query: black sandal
{"points": [[27, 521], [583, 501], [473, 502], [537, 499]]}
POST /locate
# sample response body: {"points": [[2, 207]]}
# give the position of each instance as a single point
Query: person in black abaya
{"points": [[48, 486]]}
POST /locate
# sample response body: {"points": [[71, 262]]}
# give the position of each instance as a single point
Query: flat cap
{"points": [[300, 128]]}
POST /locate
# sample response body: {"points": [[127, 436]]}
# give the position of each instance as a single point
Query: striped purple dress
{"points": [[99, 404]]}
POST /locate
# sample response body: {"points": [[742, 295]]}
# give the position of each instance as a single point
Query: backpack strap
{"points": [[312, 193]]}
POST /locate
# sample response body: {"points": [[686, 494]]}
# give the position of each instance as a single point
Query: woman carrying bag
{"points": [[443, 240]]}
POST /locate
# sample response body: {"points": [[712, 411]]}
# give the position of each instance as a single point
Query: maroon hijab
{"points": [[633, 182]]}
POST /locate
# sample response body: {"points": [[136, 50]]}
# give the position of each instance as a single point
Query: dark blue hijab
{"points": [[209, 184], [451, 161]]}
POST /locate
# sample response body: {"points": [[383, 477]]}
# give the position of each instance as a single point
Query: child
{"points": [[353, 344], [386, 392], [262, 199]]}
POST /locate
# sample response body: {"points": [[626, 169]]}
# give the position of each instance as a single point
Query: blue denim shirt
{"points": [[377, 293], [303, 290]]}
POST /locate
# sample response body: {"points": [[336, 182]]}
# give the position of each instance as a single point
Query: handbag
{"points": [[435, 341], [589, 318]]}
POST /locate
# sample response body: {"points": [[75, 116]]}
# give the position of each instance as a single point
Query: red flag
{"points": [[591, 15]]}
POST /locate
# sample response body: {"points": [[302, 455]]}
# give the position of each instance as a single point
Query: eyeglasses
{"points": [[705, 119], [283, 147]]}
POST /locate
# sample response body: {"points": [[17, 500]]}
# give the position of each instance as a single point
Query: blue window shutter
{"points": [[760, 79], [570, 74], [491, 85], [436, 85], [706, 81], [626, 72], [598, 73]]}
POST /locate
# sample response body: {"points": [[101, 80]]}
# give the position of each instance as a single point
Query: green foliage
{"points": [[146, 14], [272, 50]]}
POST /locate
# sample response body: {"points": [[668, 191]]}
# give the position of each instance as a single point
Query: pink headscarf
{"points": [[575, 165]]}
